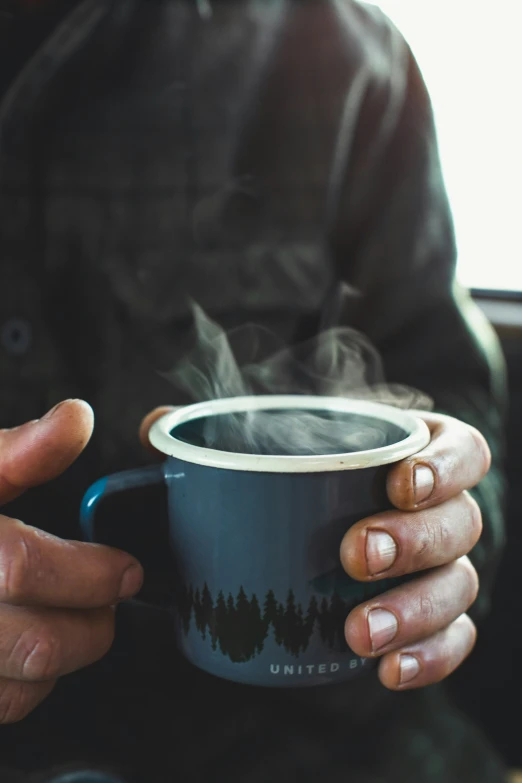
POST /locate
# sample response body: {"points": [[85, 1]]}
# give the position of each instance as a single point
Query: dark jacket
{"points": [[251, 159]]}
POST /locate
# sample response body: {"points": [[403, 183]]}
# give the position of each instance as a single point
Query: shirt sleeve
{"points": [[393, 241]]}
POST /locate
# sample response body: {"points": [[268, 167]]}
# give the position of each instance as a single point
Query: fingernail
{"points": [[51, 413], [383, 627], [423, 483], [409, 668], [381, 551], [131, 582]]}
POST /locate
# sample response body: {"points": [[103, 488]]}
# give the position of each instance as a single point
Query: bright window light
{"points": [[471, 57]]}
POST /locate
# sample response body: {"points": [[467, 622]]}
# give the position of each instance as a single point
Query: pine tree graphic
{"points": [[270, 609], [232, 632], [239, 627], [257, 631], [198, 614], [279, 624], [206, 609], [217, 621], [323, 619], [312, 614], [291, 627]]}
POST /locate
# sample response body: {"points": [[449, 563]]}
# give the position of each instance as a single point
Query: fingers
{"points": [[395, 543], [456, 459], [413, 611], [37, 569], [38, 451], [147, 423], [18, 699], [431, 660], [421, 629], [40, 645]]}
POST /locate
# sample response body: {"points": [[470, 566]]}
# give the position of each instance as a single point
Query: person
{"points": [[252, 157]]}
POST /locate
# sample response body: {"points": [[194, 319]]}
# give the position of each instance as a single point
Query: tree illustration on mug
{"points": [[239, 626]]}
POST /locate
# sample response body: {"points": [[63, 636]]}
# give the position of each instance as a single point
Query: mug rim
{"points": [[418, 435]]}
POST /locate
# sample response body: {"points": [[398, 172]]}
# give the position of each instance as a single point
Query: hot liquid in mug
{"points": [[263, 598]]}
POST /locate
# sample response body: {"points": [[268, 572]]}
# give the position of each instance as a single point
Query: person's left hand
{"points": [[420, 630]]}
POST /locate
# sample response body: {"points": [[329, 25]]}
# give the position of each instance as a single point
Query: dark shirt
{"points": [[253, 161], [22, 31]]}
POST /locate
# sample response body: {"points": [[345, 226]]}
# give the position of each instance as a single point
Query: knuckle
{"points": [[40, 655], [15, 702], [426, 608], [443, 534], [20, 559], [426, 539]]}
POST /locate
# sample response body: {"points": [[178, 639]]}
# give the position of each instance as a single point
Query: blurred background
{"points": [[471, 57]]}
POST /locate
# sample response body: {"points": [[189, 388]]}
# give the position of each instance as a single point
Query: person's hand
{"points": [[56, 597], [420, 630]]}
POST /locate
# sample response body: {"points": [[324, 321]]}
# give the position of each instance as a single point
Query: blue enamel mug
{"points": [[255, 538]]}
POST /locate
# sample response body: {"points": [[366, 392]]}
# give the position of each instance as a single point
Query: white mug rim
{"points": [[417, 438]]}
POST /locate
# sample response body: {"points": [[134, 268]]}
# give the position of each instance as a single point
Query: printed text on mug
{"points": [[306, 669]]}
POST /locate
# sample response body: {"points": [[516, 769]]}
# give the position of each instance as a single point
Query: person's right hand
{"points": [[56, 597]]}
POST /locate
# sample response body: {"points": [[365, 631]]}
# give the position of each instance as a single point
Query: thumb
{"points": [[41, 450]]}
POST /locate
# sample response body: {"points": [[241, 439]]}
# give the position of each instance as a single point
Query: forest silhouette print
{"points": [[239, 626]]}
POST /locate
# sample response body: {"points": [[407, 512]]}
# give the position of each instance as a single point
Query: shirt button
{"points": [[16, 336]]}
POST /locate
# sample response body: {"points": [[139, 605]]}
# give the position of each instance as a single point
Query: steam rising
{"points": [[339, 362]]}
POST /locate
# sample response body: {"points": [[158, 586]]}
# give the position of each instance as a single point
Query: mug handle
{"points": [[110, 485]]}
